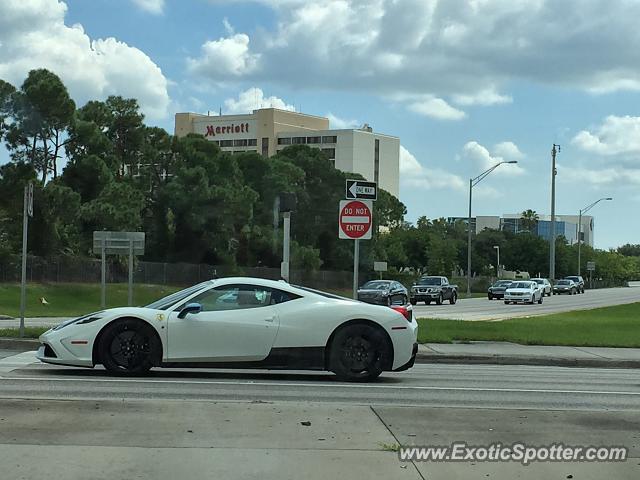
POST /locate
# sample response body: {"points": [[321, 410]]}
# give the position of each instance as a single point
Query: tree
{"points": [[529, 220], [41, 111], [629, 250]]}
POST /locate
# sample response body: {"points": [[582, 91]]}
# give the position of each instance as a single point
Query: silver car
{"points": [[543, 284]]}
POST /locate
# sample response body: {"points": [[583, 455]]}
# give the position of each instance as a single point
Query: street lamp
{"points": [[472, 183], [585, 210], [497, 247]]}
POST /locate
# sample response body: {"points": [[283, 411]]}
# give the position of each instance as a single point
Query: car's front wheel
{"points": [[413, 302], [439, 300], [129, 347], [453, 298], [358, 353]]}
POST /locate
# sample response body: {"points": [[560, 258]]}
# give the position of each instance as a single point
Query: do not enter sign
{"points": [[355, 219]]}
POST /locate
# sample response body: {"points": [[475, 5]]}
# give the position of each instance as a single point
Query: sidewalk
{"points": [[504, 353]]}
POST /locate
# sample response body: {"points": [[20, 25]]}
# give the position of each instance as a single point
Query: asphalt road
{"points": [[289, 425], [485, 309]]}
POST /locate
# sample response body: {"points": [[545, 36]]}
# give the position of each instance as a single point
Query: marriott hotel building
{"points": [[266, 131]]}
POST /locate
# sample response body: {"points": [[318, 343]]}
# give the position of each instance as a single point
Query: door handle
{"points": [[270, 319]]}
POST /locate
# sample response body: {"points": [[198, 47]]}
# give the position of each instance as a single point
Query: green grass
{"points": [[617, 326], [29, 332], [71, 299]]}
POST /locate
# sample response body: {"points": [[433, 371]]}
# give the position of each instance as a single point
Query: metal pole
{"points": [[579, 241], [552, 238], [284, 270], [23, 284], [469, 242], [356, 262], [103, 281], [130, 299], [498, 269]]}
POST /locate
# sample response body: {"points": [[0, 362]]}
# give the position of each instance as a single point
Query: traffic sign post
{"points": [[354, 223], [359, 189]]}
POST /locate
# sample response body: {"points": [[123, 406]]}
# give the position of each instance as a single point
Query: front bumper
{"points": [[496, 294], [421, 296], [518, 298]]}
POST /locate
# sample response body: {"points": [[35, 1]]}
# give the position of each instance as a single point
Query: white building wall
{"points": [[389, 164]]}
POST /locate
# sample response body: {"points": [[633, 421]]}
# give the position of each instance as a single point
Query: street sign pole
{"points": [[130, 299], [356, 265], [284, 269], [103, 277], [27, 211]]}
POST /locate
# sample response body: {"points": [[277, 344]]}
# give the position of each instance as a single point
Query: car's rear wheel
{"points": [[413, 302], [439, 300], [453, 298], [358, 353], [129, 347], [506, 302], [540, 299]]}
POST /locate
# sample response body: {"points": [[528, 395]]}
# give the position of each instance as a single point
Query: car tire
{"points": [[413, 302], [439, 300], [453, 299], [140, 342], [490, 297], [427, 302], [540, 299], [506, 303], [359, 352], [389, 301]]}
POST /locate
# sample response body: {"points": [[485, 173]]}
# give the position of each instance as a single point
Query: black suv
{"points": [[579, 281]]}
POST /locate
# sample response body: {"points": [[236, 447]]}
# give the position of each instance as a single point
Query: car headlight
{"points": [[92, 317]]}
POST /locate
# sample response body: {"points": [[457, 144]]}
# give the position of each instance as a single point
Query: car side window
{"points": [[280, 296], [234, 297]]}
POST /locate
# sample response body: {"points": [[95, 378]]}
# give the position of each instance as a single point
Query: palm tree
{"points": [[529, 220]]}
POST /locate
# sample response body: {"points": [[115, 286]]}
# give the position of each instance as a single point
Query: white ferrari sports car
{"points": [[240, 323]]}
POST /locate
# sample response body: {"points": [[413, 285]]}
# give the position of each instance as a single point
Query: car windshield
{"points": [[521, 285], [565, 282], [539, 281], [574, 279], [168, 301], [430, 281], [376, 285], [502, 283]]}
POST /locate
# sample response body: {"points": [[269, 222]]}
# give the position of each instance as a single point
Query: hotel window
{"points": [[284, 141], [330, 139], [376, 161], [313, 139], [299, 140], [252, 142], [226, 143], [329, 152], [240, 143], [265, 146]]}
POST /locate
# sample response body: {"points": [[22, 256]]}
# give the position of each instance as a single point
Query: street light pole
{"points": [[552, 237], [497, 247], [585, 210], [472, 183]]}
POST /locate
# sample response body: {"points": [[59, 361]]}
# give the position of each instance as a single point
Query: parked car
{"points": [[544, 284], [579, 281], [524, 291], [430, 288], [270, 324], [497, 289], [383, 292], [565, 286]]}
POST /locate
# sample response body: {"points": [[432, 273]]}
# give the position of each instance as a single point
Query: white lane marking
{"points": [[315, 385], [14, 362]]}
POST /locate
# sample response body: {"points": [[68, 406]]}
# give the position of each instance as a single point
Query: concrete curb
{"points": [[19, 344], [526, 360]]}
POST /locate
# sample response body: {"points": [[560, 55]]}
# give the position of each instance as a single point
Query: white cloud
{"points": [[33, 35], [616, 136], [467, 51], [436, 108], [253, 99], [340, 123], [414, 175], [484, 98], [483, 159], [155, 7], [612, 177], [225, 57]]}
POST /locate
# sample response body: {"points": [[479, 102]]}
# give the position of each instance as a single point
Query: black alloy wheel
{"points": [[358, 353], [454, 297], [129, 347]]}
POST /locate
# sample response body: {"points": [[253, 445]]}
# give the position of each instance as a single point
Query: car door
{"points": [[236, 323]]}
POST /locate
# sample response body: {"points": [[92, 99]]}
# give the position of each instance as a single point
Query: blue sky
{"points": [[464, 84]]}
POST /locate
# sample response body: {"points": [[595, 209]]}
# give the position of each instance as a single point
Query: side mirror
{"points": [[190, 308]]}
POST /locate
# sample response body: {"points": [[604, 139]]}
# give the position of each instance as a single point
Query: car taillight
{"points": [[404, 311]]}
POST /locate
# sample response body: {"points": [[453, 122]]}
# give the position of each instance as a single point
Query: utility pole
{"points": [[552, 238], [27, 211]]}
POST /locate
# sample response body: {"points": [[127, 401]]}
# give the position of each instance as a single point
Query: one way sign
{"points": [[361, 189]]}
